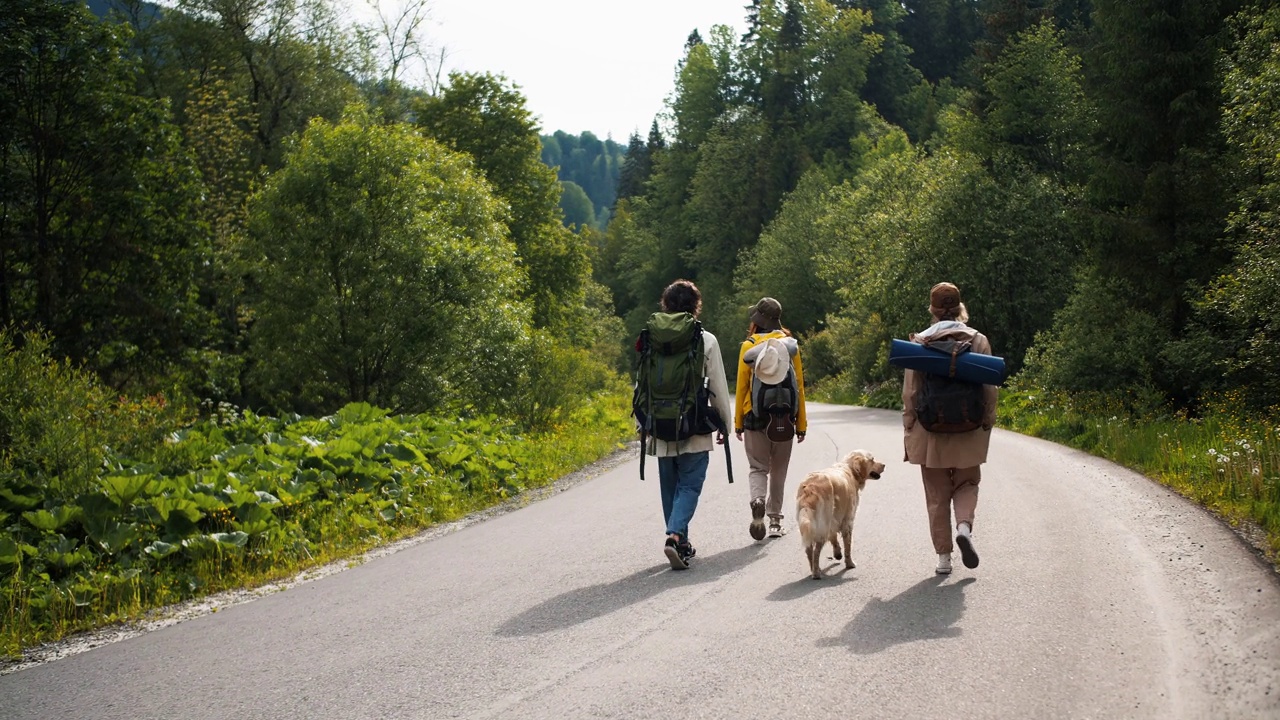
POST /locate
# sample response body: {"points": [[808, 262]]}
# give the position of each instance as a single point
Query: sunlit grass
{"points": [[36, 608], [1227, 460]]}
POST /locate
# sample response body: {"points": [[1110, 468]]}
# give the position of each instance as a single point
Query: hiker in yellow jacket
{"points": [[769, 373]]}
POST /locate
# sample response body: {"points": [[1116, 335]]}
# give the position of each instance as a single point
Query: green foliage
{"points": [[385, 275], [561, 379], [591, 164], [99, 240], [250, 497], [784, 263], [1158, 182], [1099, 342], [58, 425], [939, 33], [1032, 106], [576, 206], [290, 60], [1236, 319], [481, 115], [896, 230], [899, 83]]}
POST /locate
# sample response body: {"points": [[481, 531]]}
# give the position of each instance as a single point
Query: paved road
{"points": [[1100, 595]]}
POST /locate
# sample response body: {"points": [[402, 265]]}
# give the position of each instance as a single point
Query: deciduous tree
{"points": [[385, 275]]}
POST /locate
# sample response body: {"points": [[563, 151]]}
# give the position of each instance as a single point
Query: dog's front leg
{"points": [[848, 536]]}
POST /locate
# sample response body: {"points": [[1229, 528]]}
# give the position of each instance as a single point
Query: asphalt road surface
{"points": [[1099, 595]]}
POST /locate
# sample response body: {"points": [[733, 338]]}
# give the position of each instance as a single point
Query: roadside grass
{"points": [[245, 500], [1227, 459]]}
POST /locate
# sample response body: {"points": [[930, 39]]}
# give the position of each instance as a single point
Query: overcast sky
{"points": [[599, 65]]}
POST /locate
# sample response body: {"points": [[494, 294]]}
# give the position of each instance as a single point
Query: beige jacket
{"points": [[713, 369], [943, 450]]}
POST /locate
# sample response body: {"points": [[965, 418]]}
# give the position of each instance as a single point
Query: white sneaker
{"points": [[944, 564]]}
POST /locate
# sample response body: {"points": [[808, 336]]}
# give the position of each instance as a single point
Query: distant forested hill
{"points": [[140, 8], [588, 168]]}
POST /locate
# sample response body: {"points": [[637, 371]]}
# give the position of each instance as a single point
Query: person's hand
{"points": [[720, 438], [799, 437], [738, 433]]}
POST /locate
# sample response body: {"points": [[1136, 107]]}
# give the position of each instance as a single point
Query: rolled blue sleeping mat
{"points": [[971, 366]]}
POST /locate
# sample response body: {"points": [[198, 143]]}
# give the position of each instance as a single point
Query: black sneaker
{"points": [[674, 556], [968, 555], [757, 519], [686, 551]]}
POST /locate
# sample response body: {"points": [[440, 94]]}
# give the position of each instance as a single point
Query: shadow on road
{"points": [[582, 604], [837, 574], [927, 610]]}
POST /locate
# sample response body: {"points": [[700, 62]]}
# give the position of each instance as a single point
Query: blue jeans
{"points": [[681, 478]]}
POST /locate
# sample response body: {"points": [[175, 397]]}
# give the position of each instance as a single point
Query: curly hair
{"points": [[682, 296]]}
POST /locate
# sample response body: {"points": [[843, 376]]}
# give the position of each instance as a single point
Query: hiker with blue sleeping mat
{"points": [[769, 413], [681, 399], [947, 425]]}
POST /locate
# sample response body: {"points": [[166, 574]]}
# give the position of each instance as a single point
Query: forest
{"points": [[265, 301], [588, 168], [1099, 178]]}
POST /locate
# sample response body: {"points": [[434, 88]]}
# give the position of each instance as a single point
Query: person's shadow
{"points": [[585, 603], [927, 610]]}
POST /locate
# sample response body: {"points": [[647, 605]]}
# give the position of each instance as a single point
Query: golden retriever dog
{"points": [[826, 502]]}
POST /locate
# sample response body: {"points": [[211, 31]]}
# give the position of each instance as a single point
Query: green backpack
{"points": [[672, 400], [669, 377]]}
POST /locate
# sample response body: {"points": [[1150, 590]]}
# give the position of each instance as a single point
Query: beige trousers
{"points": [[768, 476], [944, 487]]}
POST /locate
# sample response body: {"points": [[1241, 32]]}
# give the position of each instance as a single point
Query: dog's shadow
{"points": [[928, 610], [836, 574], [586, 603]]}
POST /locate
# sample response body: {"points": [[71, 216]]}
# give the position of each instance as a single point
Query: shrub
{"points": [[58, 425]]}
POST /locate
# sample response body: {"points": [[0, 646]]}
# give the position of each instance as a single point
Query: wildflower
{"points": [[1235, 454], [1212, 451], [1257, 471]]}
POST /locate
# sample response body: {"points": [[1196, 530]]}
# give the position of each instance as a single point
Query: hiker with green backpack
{"points": [[681, 400], [769, 414], [947, 428]]}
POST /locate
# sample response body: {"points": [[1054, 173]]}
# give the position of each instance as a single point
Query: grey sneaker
{"points": [[757, 519], [944, 564], [775, 528]]}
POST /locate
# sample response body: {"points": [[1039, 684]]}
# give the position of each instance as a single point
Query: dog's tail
{"points": [[806, 502]]}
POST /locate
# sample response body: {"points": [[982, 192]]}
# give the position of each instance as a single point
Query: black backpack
{"points": [[948, 405], [775, 407]]}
